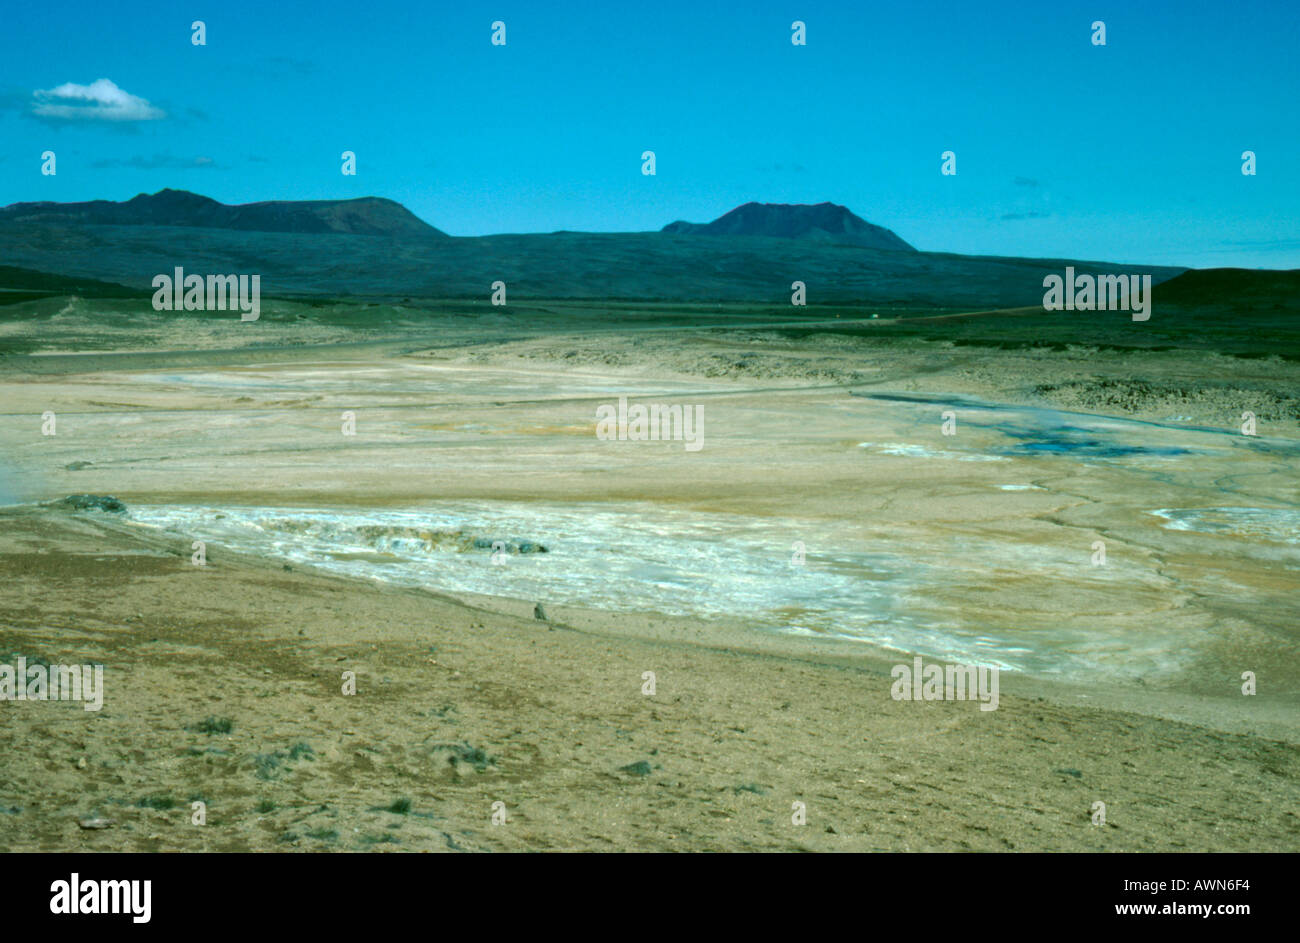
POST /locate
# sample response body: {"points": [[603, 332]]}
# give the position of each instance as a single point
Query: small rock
{"points": [[95, 823], [639, 768], [95, 502], [81, 762]]}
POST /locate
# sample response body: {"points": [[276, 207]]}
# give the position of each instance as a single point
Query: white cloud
{"points": [[101, 100]]}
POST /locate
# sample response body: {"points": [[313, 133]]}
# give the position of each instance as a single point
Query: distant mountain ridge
{"points": [[1233, 286], [368, 216], [827, 222], [376, 216], [329, 249]]}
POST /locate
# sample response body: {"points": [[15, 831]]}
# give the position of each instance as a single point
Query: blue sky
{"points": [[1129, 152]]}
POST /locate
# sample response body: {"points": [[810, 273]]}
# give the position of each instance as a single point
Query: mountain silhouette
{"points": [[827, 222], [1233, 286], [329, 249], [368, 216]]}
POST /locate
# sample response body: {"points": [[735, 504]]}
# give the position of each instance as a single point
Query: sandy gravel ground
{"points": [[224, 682]]}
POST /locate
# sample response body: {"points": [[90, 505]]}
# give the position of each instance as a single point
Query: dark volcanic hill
{"points": [[827, 222], [367, 216], [1233, 286], [328, 248]]}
